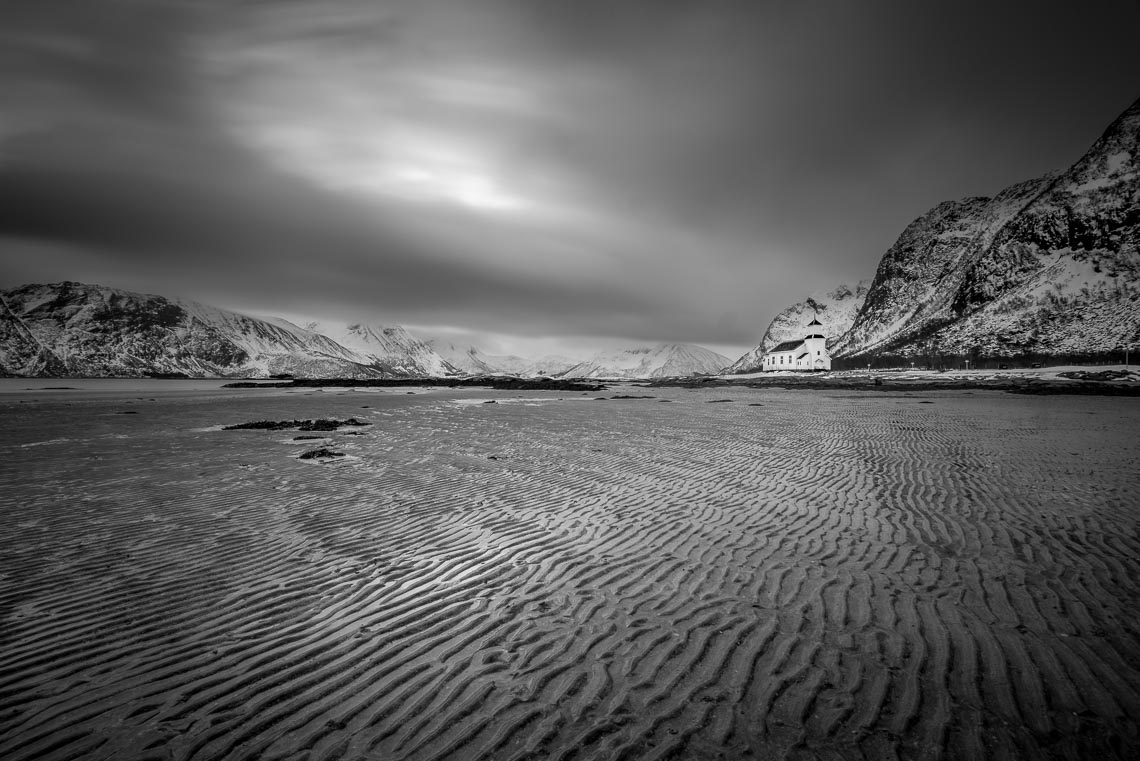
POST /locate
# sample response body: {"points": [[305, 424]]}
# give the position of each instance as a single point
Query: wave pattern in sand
{"points": [[815, 577]]}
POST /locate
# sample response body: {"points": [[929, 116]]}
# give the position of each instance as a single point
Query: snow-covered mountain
{"points": [[391, 349], [21, 354], [660, 361], [93, 331], [835, 309], [471, 360], [1049, 266], [550, 366]]}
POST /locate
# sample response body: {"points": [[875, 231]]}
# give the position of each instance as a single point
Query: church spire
{"points": [[814, 328]]}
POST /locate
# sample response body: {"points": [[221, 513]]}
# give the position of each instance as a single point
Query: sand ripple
{"points": [[817, 577]]}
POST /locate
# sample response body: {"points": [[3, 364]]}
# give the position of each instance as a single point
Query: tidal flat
{"points": [[724, 573]]}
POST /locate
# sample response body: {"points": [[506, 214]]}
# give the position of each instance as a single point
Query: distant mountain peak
{"points": [[659, 361]]}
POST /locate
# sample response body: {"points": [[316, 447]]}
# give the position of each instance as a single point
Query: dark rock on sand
{"points": [[321, 424], [265, 425], [319, 454], [330, 424], [1103, 375]]}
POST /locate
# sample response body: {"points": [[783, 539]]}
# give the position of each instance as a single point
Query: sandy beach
{"points": [[710, 573]]}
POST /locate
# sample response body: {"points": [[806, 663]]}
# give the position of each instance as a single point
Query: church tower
{"points": [[815, 344]]}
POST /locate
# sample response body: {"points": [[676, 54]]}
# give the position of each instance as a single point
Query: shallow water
{"points": [[847, 575]]}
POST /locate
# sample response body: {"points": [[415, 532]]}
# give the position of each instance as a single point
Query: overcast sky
{"points": [[519, 173]]}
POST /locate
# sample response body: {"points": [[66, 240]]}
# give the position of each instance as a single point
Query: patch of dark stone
{"points": [[490, 401], [631, 396], [307, 438], [321, 424], [128, 412], [1103, 375], [509, 384], [319, 454], [718, 401], [755, 404]]}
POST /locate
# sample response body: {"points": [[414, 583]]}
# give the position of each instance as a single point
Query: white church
{"points": [[808, 353]]}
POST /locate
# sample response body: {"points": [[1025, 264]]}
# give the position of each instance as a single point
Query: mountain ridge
{"points": [[1048, 267], [77, 329], [659, 361], [72, 329]]}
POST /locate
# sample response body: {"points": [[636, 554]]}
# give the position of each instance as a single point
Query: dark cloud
{"points": [[78, 56], [653, 170], [232, 228]]}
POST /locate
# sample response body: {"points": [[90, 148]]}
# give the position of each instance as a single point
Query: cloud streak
{"points": [[636, 170]]}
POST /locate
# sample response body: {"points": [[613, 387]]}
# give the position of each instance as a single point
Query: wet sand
{"points": [[789, 574]]}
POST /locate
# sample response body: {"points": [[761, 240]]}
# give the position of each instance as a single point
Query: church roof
{"points": [[785, 346], [803, 355], [815, 321]]}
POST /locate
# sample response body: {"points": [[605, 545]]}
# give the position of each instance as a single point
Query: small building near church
{"points": [[808, 353]]}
